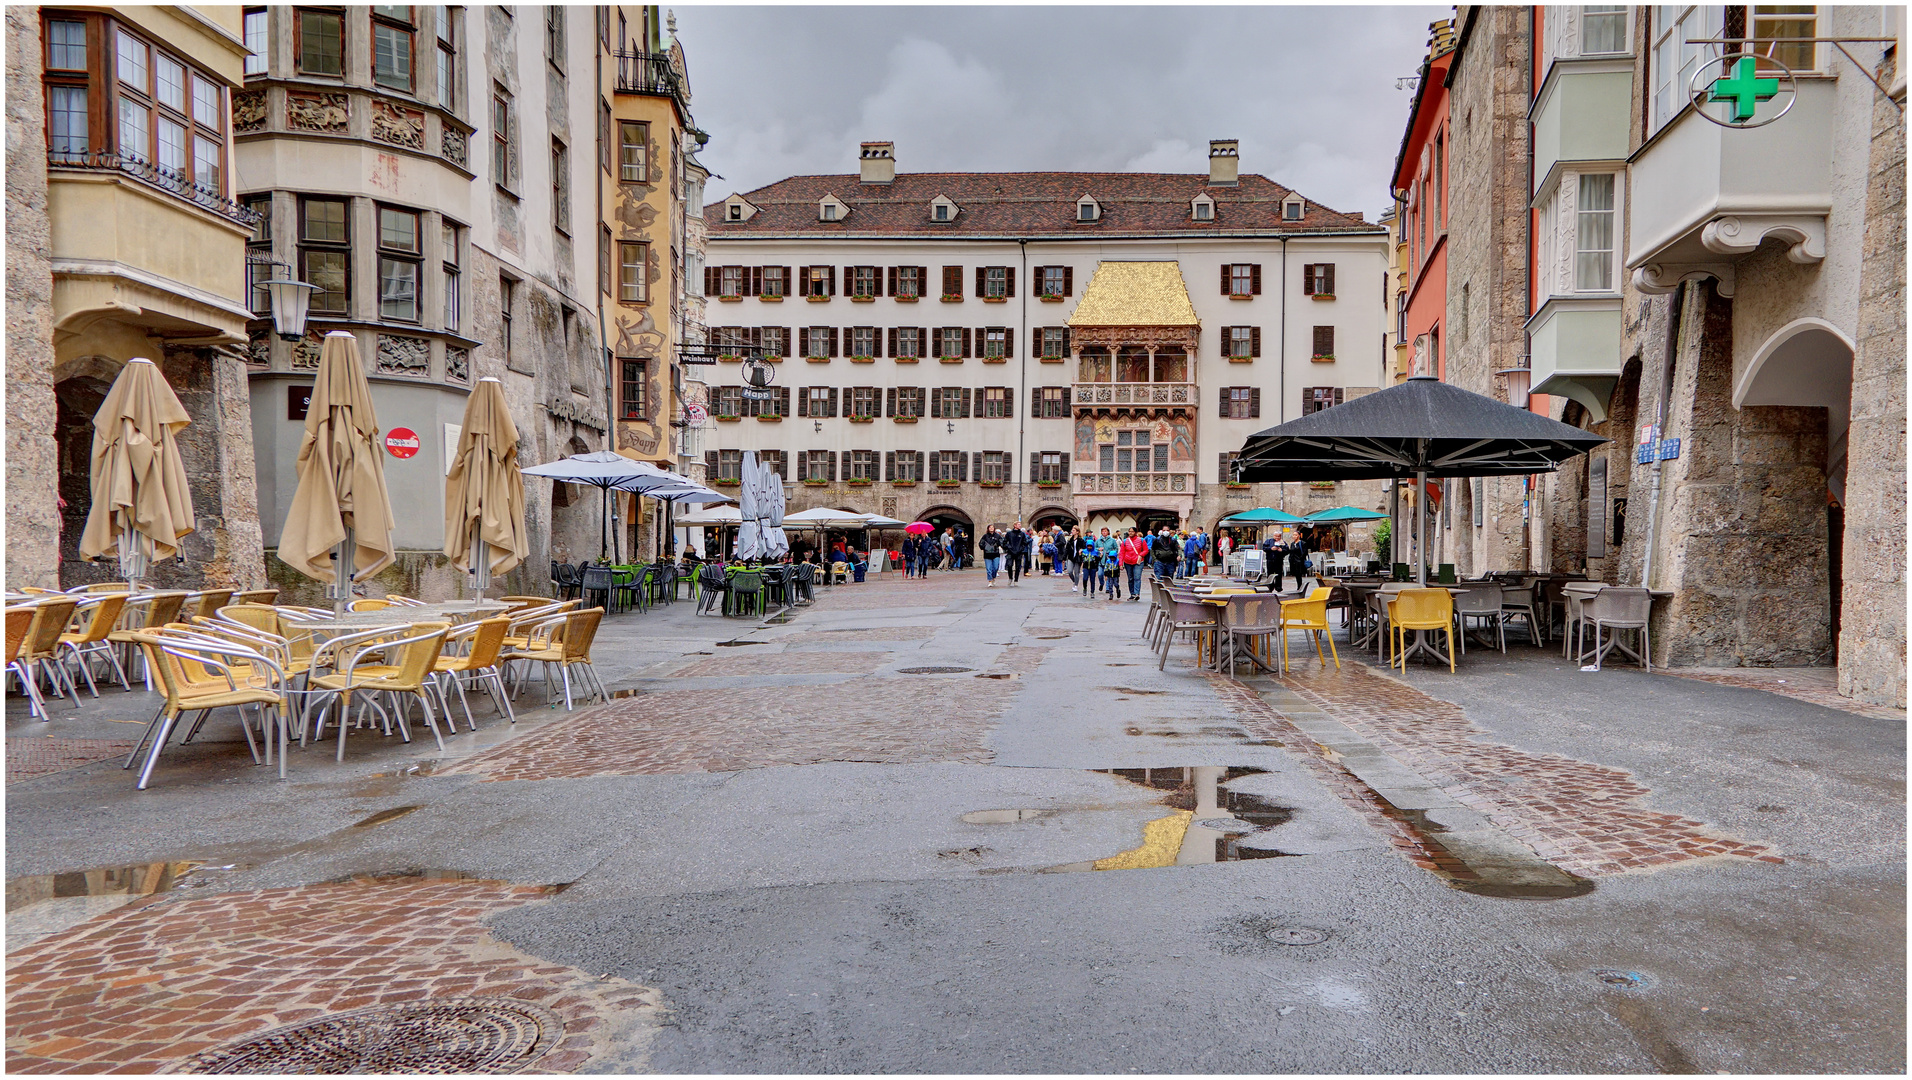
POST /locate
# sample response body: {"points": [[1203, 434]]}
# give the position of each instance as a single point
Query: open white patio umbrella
{"points": [[141, 504], [606, 470]]}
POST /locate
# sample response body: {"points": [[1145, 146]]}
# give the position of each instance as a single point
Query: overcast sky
{"points": [[1309, 91]]}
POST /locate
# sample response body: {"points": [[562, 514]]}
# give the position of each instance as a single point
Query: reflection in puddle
{"points": [[145, 879], [1207, 826], [384, 816], [1004, 817]]}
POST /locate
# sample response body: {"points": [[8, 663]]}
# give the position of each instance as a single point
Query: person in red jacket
{"points": [[1134, 550]]}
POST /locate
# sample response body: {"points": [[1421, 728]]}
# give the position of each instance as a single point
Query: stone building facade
{"points": [[123, 241], [935, 356]]}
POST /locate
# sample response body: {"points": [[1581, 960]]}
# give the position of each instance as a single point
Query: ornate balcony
{"points": [[1102, 394], [1174, 483]]}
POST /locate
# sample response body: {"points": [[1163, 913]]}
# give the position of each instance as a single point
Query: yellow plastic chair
{"points": [[1422, 609], [168, 656], [19, 629], [403, 601], [145, 612], [208, 601], [1309, 615], [485, 640], [102, 618], [368, 605], [254, 596], [417, 653], [50, 618], [564, 642]]}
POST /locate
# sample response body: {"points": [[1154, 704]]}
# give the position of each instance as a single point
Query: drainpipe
{"points": [[1676, 306], [604, 341], [1022, 379], [1281, 355]]}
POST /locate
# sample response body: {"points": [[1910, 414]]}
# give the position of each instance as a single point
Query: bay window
{"points": [[1674, 62], [398, 259], [325, 253], [1593, 241]]}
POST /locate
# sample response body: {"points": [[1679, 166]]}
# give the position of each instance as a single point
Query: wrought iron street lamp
{"points": [[290, 299]]}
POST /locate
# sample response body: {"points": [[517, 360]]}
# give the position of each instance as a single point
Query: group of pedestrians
{"points": [[927, 552], [1010, 549], [1106, 562]]}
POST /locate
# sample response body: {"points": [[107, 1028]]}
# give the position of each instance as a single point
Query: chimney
{"points": [[1224, 163], [879, 162]]}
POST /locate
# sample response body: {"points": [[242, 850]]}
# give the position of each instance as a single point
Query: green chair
{"points": [[1400, 571], [1445, 575], [746, 593]]}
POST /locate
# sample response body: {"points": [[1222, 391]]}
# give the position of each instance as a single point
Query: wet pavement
{"points": [[923, 826]]}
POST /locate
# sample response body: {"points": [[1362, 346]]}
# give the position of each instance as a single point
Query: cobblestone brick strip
{"points": [[1582, 817], [1814, 686], [784, 663], [33, 755], [147, 985], [896, 720]]}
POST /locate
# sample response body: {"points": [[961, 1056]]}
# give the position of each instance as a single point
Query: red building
{"points": [[1420, 183]]}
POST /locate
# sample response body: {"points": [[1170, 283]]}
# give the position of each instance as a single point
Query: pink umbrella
{"points": [[919, 527]]}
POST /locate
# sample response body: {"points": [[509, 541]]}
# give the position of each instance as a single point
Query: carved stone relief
{"points": [[305, 354], [398, 126], [454, 144], [249, 111], [259, 349], [318, 112], [458, 363], [403, 355]]}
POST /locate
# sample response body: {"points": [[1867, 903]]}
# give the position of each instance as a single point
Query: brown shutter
{"points": [[1338, 391], [922, 280], [783, 401], [1254, 279], [803, 403], [1307, 279], [1035, 402], [803, 281], [1064, 465], [1254, 403], [935, 350], [833, 341], [968, 404], [1008, 403], [936, 405], [786, 340], [966, 353], [833, 402], [876, 342], [1324, 341], [1254, 341], [889, 464], [1035, 462], [1009, 342], [952, 281], [710, 281], [710, 465], [1012, 282], [923, 347], [967, 475], [1035, 341], [892, 341], [891, 291], [787, 271], [1068, 281], [1225, 269], [755, 285], [1221, 470], [979, 280], [1330, 275], [890, 397], [1067, 336], [1224, 405], [833, 464], [829, 281]]}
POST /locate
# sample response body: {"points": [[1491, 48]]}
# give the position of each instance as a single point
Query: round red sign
{"points": [[401, 442]]}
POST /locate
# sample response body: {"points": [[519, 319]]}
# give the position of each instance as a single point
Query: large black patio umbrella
{"points": [[1420, 428]]}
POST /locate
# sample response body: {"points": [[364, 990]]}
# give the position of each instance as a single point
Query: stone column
{"points": [[33, 519], [1872, 625]]}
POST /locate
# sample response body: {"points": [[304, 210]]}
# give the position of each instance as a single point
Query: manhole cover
{"points": [[450, 1035], [1624, 980], [933, 670], [1297, 935]]}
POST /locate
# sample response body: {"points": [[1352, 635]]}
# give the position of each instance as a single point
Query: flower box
{"points": [[732, 359], [1049, 299], [1048, 483], [1241, 359], [1323, 358], [995, 299], [989, 483], [819, 359], [728, 419], [995, 359], [1321, 485], [1324, 296], [948, 485], [727, 483], [862, 299], [904, 419], [862, 359], [771, 299], [860, 419], [952, 298], [816, 483], [950, 359], [1053, 359], [1241, 296], [729, 299], [1239, 487], [818, 299], [858, 483], [907, 299], [906, 359], [770, 419], [902, 483]]}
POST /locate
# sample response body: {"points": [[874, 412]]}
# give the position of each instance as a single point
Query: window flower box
{"points": [[907, 299], [995, 359], [862, 299], [1048, 483], [901, 360], [729, 299], [819, 359], [1050, 298], [1241, 359], [989, 483], [862, 359], [1053, 359], [732, 359], [902, 483], [1324, 296], [1323, 358], [1241, 296], [861, 419], [771, 419], [816, 483], [857, 482], [728, 419], [1239, 487], [727, 483], [995, 299], [950, 359], [904, 419], [1321, 485], [948, 485], [818, 299], [771, 299], [952, 298]]}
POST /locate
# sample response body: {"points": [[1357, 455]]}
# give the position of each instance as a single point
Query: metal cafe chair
{"points": [[1620, 609]]}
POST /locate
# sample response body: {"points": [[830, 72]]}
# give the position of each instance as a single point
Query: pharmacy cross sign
{"points": [[1744, 89]]}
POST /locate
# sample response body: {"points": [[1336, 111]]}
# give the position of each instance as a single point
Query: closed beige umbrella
{"points": [[141, 505], [484, 492], [341, 498]]}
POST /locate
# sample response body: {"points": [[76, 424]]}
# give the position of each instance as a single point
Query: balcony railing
{"points": [[1174, 483], [648, 73], [165, 179], [1091, 394]]}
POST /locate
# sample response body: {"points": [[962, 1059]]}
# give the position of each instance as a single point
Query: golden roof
{"points": [[1136, 294]]}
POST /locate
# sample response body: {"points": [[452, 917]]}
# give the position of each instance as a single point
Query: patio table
{"points": [[1231, 605], [397, 615]]}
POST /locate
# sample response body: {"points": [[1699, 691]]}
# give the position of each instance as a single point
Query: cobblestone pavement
{"points": [[755, 663], [29, 756], [1815, 686], [1582, 817], [150, 984]]}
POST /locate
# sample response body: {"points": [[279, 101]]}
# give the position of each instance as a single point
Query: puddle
{"points": [[1487, 880], [933, 670], [1213, 731], [781, 617], [1005, 817], [995, 675], [1208, 825], [416, 768], [144, 879], [384, 816], [1132, 690], [732, 643]]}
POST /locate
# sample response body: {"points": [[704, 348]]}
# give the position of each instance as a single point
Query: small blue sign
{"points": [[1669, 449], [1643, 454]]}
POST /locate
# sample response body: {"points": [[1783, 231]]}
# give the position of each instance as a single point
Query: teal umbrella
{"points": [[1263, 515], [1345, 513]]}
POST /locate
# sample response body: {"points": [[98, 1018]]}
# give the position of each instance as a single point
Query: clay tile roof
{"points": [[1135, 294], [1022, 204]]}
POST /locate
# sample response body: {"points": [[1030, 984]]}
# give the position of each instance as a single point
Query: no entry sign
{"points": [[401, 442]]}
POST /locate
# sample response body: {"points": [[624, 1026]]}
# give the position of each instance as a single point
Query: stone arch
{"points": [[1052, 513], [1807, 362]]}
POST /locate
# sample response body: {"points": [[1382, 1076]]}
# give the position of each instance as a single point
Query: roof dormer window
{"points": [[942, 209], [737, 210], [828, 212], [830, 208], [1291, 208], [1202, 208], [1087, 209]]}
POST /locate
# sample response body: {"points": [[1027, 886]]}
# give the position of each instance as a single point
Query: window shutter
{"points": [[1012, 282], [833, 460], [803, 404], [892, 341], [786, 280], [967, 402], [756, 281], [786, 340], [710, 465], [1337, 394], [1035, 341], [1225, 269], [1254, 279], [979, 280], [889, 461], [1254, 403], [1254, 341], [890, 397], [1329, 267], [1324, 341], [924, 346], [1008, 403], [1065, 469], [1308, 280], [965, 474], [1224, 402], [1068, 281], [1035, 402], [833, 341], [829, 281], [1068, 336], [1009, 342], [922, 280], [936, 405], [965, 342], [1035, 463], [710, 281], [952, 281], [783, 401], [876, 342], [833, 403], [1221, 470], [803, 281]]}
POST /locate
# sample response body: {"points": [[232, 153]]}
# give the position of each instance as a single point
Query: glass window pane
{"points": [[631, 152], [206, 164], [66, 45], [324, 220], [397, 229], [326, 269], [172, 146], [207, 99], [67, 106], [444, 77], [392, 56], [255, 42], [451, 245], [131, 55], [321, 49], [169, 83], [397, 289], [1604, 28], [134, 121]]}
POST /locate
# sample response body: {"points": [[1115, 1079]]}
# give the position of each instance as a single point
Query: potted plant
{"points": [[948, 485], [769, 299], [995, 299], [904, 419], [862, 359], [906, 299], [1048, 483], [1323, 358], [861, 419], [815, 299], [727, 419], [1050, 298], [727, 482], [815, 483], [989, 483], [1234, 486], [861, 298], [769, 418], [903, 483], [858, 482], [952, 298], [729, 299]]}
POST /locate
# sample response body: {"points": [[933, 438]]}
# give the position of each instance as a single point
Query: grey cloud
{"points": [[1309, 91]]}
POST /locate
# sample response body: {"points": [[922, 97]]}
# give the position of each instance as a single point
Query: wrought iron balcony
{"points": [[165, 179], [1166, 483], [648, 73], [1090, 395]]}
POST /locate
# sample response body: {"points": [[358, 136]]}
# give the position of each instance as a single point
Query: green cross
{"points": [[1743, 89]]}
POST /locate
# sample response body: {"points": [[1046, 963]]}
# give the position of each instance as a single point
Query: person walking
{"points": [[908, 552], [1051, 554], [991, 547], [1167, 554], [1015, 545], [1194, 552], [1132, 552], [1108, 550], [1298, 560], [1090, 563], [1072, 554]]}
